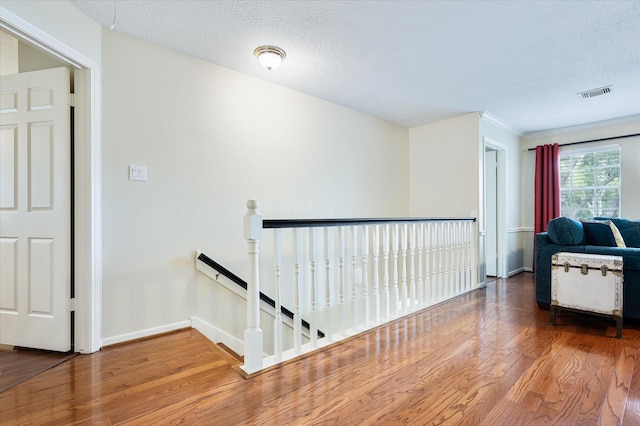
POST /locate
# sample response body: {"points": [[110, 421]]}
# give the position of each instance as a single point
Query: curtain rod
{"points": [[595, 140]]}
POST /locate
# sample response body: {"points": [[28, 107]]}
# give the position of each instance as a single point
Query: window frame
{"points": [[571, 211]]}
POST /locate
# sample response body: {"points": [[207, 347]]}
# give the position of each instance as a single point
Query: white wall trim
{"points": [[145, 333], [582, 127], [216, 335], [87, 194], [515, 272], [502, 194], [520, 229], [501, 124]]}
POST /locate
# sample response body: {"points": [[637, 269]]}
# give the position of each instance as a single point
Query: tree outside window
{"points": [[590, 184]]}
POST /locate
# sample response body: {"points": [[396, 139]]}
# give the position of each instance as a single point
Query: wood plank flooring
{"points": [[20, 364], [486, 358]]}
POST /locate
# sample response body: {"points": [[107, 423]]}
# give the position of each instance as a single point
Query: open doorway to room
{"points": [[41, 49], [84, 163], [36, 283], [494, 208], [491, 212]]}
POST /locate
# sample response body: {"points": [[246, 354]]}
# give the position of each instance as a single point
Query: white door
{"points": [[491, 202], [35, 210]]}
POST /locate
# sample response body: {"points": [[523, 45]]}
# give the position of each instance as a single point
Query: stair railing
{"points": [[350, 275]]}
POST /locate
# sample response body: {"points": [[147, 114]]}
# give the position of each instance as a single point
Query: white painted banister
{"points": [[253, 334], [277, 321], [297, 318], [350, 276]]}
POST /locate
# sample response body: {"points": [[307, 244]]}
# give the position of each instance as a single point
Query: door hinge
{"points": [[71, 305], [72, 100]]}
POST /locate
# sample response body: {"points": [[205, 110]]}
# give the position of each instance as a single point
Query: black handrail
{"points": [[242, 283], [311, 223]]}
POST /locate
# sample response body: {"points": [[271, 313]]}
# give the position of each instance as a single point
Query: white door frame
{"points": [[87, 178], [501, 195], [490, 211]]}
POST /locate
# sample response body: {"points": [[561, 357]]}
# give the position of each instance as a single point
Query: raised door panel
{"points": [[35, 210]]}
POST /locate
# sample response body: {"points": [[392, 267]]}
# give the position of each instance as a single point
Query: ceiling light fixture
{"points": [[270, 57]]}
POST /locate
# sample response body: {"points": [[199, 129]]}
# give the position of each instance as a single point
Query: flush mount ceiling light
{"points": [[270, 57]]}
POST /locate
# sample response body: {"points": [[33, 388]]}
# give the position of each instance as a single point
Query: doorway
{"points": [[86, 229], [494, 209], [491, 212], [36, 283]]}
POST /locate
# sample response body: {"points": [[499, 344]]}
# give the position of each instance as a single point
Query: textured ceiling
{"points": [[416, 62]]}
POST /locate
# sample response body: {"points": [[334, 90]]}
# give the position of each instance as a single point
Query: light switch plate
{"points": [[138, 173]]}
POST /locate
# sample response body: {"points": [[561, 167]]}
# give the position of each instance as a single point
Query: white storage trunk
{"points": [[589, 283]]}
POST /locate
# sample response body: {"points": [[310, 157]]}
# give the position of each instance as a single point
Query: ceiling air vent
{"points": [[596, 92]]}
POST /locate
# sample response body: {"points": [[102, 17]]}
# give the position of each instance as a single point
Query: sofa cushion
{"points": [[629, 229], [602, 233], [565, 231]]}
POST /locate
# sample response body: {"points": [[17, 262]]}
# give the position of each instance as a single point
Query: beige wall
{"points": [[212, 138], [444, 167], [8, 54]]}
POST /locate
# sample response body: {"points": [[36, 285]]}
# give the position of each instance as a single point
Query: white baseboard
{"points": [[145, 333], [515, 272], [527, 269], [217, 336]]}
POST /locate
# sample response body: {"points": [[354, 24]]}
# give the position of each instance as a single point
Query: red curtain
{"points": [[547, 186]]}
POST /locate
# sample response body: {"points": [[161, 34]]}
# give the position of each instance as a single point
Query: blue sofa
{"points": [[594, 237]]}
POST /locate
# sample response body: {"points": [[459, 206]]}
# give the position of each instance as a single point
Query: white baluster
{"points": [[403, 249], [454, 258], [327, 290], [412, 268], [313, 329], [459, 256], [447, 259], [471, 229], [277, 321], [428, 267], [465, 257], [443, 251], [385, 252], [365, 273], [341, 305], [376, 270], [439, 268], [253, 334], [396, 290], [421, 300], [354, 270], [297, 318]]}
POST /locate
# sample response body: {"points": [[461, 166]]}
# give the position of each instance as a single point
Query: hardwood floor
{"points": [[20, 364], [486, 358]]}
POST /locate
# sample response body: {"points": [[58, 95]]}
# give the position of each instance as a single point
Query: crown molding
{"points": [[632, 119], [490, 118]]}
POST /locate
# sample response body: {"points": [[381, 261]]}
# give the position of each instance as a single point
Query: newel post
{"points": [[253, 333]]}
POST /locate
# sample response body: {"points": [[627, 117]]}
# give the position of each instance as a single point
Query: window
{"points": [[590, 183]]}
